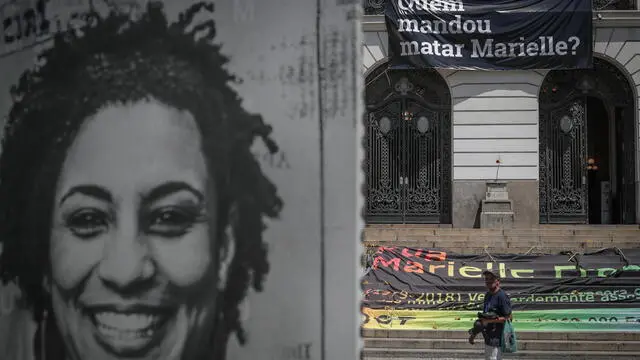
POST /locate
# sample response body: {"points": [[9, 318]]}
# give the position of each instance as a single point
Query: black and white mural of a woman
{"points": [[131, 206]]}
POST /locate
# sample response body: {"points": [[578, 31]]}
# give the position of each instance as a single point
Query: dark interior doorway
{"points": [[605, 162], [587, 147], [598, 162]]}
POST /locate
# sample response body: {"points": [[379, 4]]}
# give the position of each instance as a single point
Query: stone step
{"points": [[522, 335], [593, 226], [607, 238], [551, 239], [568, 243], [541, 227], [477, 353], [502, 237], [535, 345], [554, 226], [477, 243], [510, 233]]}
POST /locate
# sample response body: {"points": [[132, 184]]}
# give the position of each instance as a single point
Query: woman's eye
{"points": [[87, 223], [171, 221]]}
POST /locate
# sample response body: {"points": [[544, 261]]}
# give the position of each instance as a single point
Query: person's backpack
{"points": [[509, 340]]}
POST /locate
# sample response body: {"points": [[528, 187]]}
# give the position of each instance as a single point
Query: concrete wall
{"points": [[495, 117]]}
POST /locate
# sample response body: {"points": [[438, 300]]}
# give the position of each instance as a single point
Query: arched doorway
{"points": [[408, 147], [587, 147]]}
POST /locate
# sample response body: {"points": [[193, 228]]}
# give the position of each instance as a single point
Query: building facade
{"points": [[565, 142]]}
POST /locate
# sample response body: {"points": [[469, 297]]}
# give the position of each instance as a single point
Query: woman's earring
{"points": [[245, 309], [225, 256]]}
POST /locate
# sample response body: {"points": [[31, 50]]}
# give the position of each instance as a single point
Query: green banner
{"points": [[625, 319]]}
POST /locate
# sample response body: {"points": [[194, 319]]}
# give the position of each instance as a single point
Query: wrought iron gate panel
{"points": [[383, 176], [563, 155], [407, 156], [423, 169]]}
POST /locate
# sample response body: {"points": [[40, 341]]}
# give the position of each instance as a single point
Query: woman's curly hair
{"points": [[114, 59]]}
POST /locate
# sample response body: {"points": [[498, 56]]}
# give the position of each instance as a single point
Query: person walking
{"points": [[496, 311]]}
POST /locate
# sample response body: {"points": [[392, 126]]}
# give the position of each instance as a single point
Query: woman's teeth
{"points": [[134, 323], [124, 334]]}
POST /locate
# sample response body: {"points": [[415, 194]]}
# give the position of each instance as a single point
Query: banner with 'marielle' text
{"points": [[496, 35], [410, 288]]}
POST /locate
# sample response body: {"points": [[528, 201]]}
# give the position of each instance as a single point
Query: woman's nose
{"points": [[125, 262]]}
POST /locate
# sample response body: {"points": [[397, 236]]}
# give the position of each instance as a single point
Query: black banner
{"points": [[409, 278], [495, 35]]}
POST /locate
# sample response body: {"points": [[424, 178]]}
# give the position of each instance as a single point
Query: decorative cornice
{"points": [[601, 19], [373, 23], [614, 18]]}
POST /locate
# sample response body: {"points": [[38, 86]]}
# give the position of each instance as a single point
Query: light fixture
{"points": [[566, 124], [423, 124], [586, 84], [385, 125]]}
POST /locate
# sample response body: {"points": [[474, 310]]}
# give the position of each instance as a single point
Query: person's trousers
{"points": [[492, 353]]}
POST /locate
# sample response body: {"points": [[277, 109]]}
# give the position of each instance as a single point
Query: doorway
{"points": [[587, 147], [408, 147], [600, 168]]}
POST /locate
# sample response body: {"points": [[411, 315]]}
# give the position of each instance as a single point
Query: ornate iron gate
{"points": [[563, 155], [408, 147], [563, 141]]}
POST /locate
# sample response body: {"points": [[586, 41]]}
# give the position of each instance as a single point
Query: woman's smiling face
{"points": [[132, 270]]}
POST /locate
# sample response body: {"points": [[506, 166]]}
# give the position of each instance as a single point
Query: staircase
{"points": [[449, 345], [541, 239], [550, 239]]}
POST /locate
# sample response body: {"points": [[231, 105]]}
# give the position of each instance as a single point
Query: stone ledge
{"points": [[525, 335]]}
